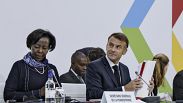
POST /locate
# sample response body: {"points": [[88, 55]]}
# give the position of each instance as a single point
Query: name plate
{"points": [[118, 97]]}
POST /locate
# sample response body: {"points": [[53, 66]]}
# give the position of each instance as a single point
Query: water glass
{"points": [[59, 95]]}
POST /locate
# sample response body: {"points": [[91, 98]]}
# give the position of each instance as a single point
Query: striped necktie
{"points": [[81, 79]]}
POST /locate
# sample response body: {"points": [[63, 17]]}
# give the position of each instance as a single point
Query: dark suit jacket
{"points": [[178, 86], [100, 78], [70, 77]]}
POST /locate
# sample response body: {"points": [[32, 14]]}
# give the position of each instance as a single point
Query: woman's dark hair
{"points": [[121, 37], [37, 34]]}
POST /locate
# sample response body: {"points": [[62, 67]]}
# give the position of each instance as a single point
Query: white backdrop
{"points": [[77, 24]]}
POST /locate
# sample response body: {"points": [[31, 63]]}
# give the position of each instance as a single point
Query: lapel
{"points": [[84, 78], [109, 70], [73, 76]]}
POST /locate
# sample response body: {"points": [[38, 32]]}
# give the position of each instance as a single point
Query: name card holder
{"points": [[118, 97]]}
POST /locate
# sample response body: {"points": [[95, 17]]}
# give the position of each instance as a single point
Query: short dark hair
{"points": [[121, 37], [96, 53], [37, 34], [76, 56], [86, 50]]}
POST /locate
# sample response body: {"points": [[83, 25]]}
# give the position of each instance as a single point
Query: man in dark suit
{"points": [[178, 86], [107, 73], [77, 70]]}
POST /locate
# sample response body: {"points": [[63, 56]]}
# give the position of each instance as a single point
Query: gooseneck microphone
{"points": [[141, 78], [54, 75]]}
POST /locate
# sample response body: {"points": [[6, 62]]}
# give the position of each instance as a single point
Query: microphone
{"points": [[55, 77], [142, 78], [53, 72]]}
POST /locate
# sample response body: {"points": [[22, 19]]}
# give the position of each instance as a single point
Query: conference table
{"points": [[180, 101], [44, 102], [40, 101], [76, 101]]}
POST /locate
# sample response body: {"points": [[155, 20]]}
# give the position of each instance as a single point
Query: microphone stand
{"points": [[142, 78], [54, 76]]}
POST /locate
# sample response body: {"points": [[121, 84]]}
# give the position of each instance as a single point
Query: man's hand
{"points": [[133, 85]]}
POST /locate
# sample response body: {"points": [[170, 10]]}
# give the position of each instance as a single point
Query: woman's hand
{"points": [[151, 85], [42, 91]]}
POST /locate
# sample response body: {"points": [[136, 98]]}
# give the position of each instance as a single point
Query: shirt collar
{"points": [[110, 62], [74, 72]]}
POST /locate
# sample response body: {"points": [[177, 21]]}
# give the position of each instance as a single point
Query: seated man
{"points": [[178, 86], [77, 70], [108, 73]]}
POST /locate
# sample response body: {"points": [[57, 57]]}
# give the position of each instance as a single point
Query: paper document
{"points": [[145, 73]]}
